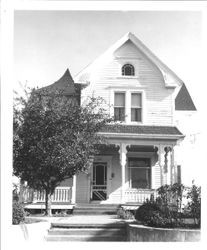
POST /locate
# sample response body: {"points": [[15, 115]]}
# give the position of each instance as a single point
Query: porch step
{"points": [[87, 232], [95, 209]]}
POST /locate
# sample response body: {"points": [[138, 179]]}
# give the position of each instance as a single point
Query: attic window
{"points": [[128, 70]]}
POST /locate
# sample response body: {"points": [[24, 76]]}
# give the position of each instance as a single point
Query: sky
{"points": [[46, 43]]}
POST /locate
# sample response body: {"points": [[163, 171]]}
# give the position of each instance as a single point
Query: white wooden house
{"points": [[145, 97]]}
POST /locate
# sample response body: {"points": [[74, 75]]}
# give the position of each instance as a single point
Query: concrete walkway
{"points": [[83, 219]]}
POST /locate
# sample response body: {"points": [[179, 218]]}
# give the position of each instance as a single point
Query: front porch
{"points": [[135, 162], [121, 177]]}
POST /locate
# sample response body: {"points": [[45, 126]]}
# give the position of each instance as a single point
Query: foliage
{"points": [[125, 214], [151, 214], [194, 204], [54, 137], [15, 193], [18, 213], [168, 209]]}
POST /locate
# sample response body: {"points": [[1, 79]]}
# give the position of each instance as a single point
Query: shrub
{"points": [[194, 204], [125, 214], [169, 208], [18, 213], [150, 214]]}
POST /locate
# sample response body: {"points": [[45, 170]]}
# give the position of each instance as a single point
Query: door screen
{"points": [[99, 184]]}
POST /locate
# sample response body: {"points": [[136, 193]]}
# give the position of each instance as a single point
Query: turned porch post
{"points": [[123, 159], [168, 165], [161, 163], [73, 200]]}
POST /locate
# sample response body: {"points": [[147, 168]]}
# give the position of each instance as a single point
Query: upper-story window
{"points": [[128, 70], [119, 106], [136, 107]]}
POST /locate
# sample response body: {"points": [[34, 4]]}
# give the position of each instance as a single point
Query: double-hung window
{"points": [[140, 172], [136, 107], [119, 106]]}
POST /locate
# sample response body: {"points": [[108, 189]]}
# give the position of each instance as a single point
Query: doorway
{"points": [[99, 181]]}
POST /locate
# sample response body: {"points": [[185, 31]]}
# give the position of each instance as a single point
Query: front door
{"points": [[99, 182]]}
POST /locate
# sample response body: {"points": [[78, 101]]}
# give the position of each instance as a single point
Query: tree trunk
{"points": [[48, 210]]}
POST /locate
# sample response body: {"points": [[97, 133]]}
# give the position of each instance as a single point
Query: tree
{"points": [[54, 138]]}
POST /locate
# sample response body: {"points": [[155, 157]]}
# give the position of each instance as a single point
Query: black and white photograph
{"points": [[104, 123]]}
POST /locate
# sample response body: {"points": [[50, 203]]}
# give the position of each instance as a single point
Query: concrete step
{"points": [[95, 209], [57, 225], [107, 232], [84, 238], [87, 232], [93, 212]]}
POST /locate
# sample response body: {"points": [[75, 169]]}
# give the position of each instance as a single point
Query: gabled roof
{"points": [[183, 100], [170, 77]]}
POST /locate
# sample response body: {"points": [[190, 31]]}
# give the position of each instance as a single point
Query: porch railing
{"points": [[138, 195], [61, 194]]}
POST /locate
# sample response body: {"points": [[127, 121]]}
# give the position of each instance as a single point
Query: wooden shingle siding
{"points": [[148, 78]]}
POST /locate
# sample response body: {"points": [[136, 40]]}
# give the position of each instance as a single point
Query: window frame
{"points": [[123, 68], [136, 107], [119, 107], [148, 168]]}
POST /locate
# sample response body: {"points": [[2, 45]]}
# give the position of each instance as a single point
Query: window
{"points": [[128, 70], [136, 107], [119, 106], [140, 172]]}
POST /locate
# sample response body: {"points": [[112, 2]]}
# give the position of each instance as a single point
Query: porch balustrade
{"points": [[138, 195], [61, 194]]}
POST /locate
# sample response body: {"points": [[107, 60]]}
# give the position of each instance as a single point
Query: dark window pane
{"points": [[128, 70], [119, 114], [140, 178], [136, 115]]}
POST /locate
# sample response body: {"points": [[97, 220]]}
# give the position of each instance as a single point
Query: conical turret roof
{"points": [[65, 84]]}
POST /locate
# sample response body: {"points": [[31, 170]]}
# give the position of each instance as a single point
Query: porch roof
{"points": [[142, 131]]}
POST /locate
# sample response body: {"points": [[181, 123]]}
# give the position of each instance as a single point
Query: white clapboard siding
{"points": [[82, 188], [156, 176], [105, 77]]}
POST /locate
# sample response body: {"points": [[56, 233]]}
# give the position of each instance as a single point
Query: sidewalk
{"points": [[83, 219]]}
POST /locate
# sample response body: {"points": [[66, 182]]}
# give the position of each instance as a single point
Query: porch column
{"points": [[123, 158], [172, 167], [168, 165], [73, 200], [161, 163]]}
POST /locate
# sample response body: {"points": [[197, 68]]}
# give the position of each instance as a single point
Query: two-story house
{"points": [[143, 95]]}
